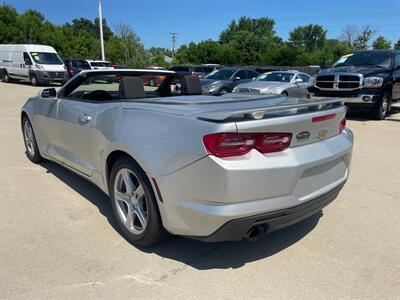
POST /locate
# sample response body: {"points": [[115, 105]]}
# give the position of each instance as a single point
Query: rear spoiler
{"points": [[260, 113]]}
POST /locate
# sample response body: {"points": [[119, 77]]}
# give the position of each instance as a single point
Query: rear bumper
{"points": [[236, 230], [200, 198]]}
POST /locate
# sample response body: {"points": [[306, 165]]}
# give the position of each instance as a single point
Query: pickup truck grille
{"points": [[346, 82]]}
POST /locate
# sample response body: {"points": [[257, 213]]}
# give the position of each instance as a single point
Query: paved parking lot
{"points": [[58, 237]]}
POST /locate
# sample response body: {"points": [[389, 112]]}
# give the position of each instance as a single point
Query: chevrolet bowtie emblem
{"points": [[322, 134]]}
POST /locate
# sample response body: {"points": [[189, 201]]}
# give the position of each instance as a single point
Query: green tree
{"points": [[8, 20], [397, 45], [30, 27], [362, 40], [309, 38], [125, 47], [261, 27], [381, 43]]}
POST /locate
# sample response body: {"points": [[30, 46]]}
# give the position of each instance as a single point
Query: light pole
{"points": [[173, 38], [101, 32]]}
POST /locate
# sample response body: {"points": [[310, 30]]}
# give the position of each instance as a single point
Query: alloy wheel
{"points": [[29, 138], [131, 202]]}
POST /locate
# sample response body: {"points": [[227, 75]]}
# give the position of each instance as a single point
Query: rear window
{"points": [[100, 64], [81, 64]]}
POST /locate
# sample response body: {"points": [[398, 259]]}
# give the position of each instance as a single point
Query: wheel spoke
{"points": [[129, 217], [121, 196], [140, 217], [139, 192], [128, 182]]}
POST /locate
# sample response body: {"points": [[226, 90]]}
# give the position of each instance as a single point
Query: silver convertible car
{"points": [[175, 161], [286, 83]]}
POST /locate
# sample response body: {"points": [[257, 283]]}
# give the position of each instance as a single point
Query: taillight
{"points": [[273, 142], [237, 144], [229, 144], [70, 71], [342, 125]]}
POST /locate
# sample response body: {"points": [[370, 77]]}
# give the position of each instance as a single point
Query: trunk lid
{"points": [[250, 113]]}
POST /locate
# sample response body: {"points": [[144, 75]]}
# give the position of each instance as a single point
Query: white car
{"points": [[100, 64]]}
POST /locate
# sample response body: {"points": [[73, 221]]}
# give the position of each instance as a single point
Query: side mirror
{"points": [[298, 80], [236, 78], [28, 62], [48, 93], [254, 78]]}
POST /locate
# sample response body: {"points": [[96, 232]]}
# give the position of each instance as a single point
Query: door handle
{"points": [[85, 118]]}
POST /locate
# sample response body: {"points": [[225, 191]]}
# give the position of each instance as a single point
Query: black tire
{"points": [[6, 77], [34, 80], [223, 91], [31, 147], [285, 94], [153, 232], [383, 107]]}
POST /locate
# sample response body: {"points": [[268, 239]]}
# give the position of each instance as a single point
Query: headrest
{"points": [[191, 85], [131, 88]]}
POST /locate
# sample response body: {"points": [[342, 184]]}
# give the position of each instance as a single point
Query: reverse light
{"points": [[342, 125], [238, 144]]}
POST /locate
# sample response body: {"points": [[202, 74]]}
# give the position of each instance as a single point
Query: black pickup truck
{"points": [[367, 79]]}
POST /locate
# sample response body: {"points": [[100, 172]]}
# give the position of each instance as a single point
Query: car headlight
{"points": [[40, 67], [373, 82], [211, 87], [235, 89], [313, 80]]}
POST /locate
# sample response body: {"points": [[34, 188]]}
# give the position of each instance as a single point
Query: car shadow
{"points": [[364, 115], [199, 255]]}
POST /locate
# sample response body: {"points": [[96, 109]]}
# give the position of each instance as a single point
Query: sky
{"points": [[196, 20]]}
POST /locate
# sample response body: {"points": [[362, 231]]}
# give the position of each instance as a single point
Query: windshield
{"points": [[278, 76], [368, 58], [223, 74], [46, 58]]}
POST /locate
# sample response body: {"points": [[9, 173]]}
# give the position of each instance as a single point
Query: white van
{"points": [[37, 63]]}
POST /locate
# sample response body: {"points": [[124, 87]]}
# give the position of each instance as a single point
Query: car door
{"points": [[26, 65], [73, 134], [396, 78], [301, 87]]}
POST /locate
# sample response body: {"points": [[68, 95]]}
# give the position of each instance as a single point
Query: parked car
{"points": [[223, 81], [287, 83], [100, 64], [365, 79], [38, 64], [153, 80], [191, 164], [74, 66], [205, 69], [182, 69]]}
